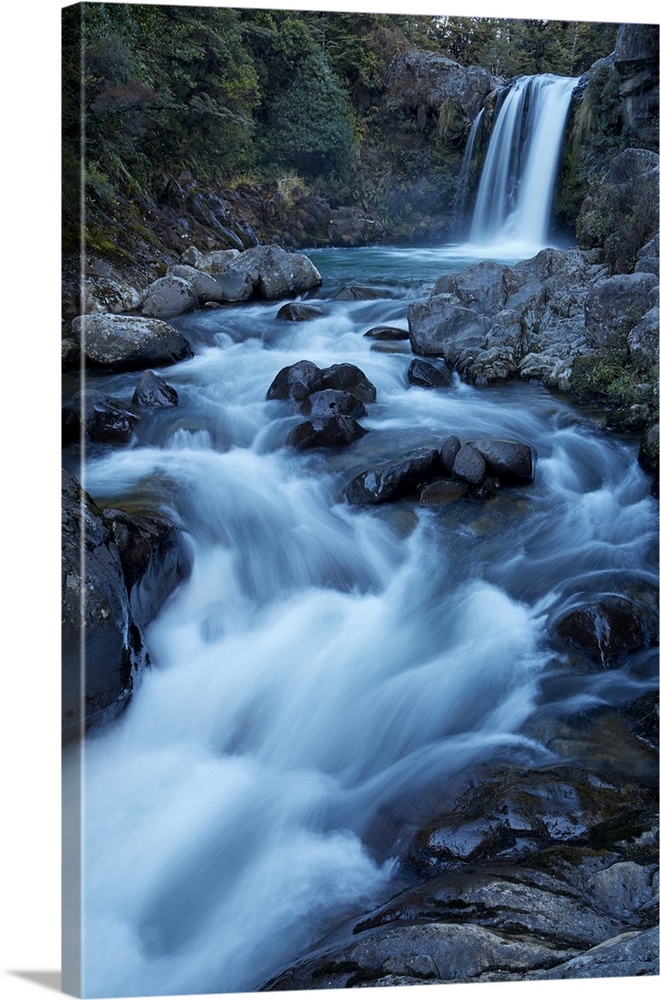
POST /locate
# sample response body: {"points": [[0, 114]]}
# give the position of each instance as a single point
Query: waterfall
{"points": [[514, 199], [464, 176]]}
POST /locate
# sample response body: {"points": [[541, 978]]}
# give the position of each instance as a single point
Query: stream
{"points": [[324, 666]]}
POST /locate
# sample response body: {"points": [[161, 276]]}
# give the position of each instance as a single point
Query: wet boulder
{"points": [[97, 622], [332, 403], [326, 432], [154, 559], [511, 461], [129, 343], [396, 478], [386, 333], [358, 293], [299, 312], [106, 420], [154, 391], [429, 376], [268, 272], [607, 630], [469, 466], [449, 451], [296, 382], [169, 296], [349, 378]]}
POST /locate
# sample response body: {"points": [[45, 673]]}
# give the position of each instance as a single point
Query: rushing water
{"points": [[324, 667]]}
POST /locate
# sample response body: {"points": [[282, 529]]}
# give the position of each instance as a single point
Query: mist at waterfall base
{"points": [[325, 672]]}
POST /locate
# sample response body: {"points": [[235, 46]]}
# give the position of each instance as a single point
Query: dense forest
{"points": [[284, 99]]}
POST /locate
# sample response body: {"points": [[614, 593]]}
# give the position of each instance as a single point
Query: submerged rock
{"points": [[106, 420], [607, 630], [299, 312], [429, 376]]}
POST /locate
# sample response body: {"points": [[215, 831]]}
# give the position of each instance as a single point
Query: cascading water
{"points": [[516, 188], [323, 668]]}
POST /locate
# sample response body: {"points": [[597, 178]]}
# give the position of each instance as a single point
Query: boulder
{"points": [[152, 390], [108, 293], [106, 420], [386, 333], [511, 461], [332, 403], [443, 491], [268, 272], [326, 432], [154, 559], [445, 328], [296, 382], [349, 378], [299, 312], [129, 343], [449, 451], [469, 466], [213, 262], [358, 293], [204, 285], [428, 376], [607, 630], [169, 296], [396, 478], [97, 623], [612, 308], [643, 341]]}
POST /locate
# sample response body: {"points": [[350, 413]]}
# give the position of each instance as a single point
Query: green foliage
{"points": [[309, 125]]}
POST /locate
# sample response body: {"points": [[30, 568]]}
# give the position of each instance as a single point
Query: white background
{"points": [[29, 527]]}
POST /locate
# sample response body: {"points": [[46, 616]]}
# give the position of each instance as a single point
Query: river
{"points": [[324, 667]]}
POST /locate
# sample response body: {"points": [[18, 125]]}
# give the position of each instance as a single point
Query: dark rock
{"points": [[426, 82], [297, 381], [299, 312], [607, 630], [332, 403], [449, 451], [386, 333], [511, 461], [485, 490], [641, 718], [443, 491], [396, 478], [97, 623], [152, 390], [129, 343], [72, 428], [153, 556], [349, 378], [648, 454], [106, 420], [326, 432], [469, 466], [169, 296], [429, 376]]}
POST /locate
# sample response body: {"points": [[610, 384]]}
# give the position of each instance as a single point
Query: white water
{"points": [[323, 668], [516, 188]]}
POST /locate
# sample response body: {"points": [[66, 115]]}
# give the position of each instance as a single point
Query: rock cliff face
{"points": [[431, 84], [636, 61]]}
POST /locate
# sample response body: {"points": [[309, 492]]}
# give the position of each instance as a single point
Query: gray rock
{"points": [[168, 297], [626, 890], [643, 340], [299, 312], [268, 272], [444, 328], [108, 293], [613, 307], [127, 343], [205, 287], [636, 61], [634, 953], [424, 81], [607, 630]]}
